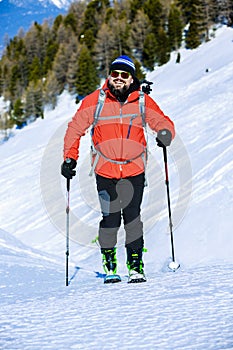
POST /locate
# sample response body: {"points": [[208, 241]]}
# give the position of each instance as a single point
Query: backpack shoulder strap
{"points": [[142, 107], [99, 106], [101, 101], [143, 115]]}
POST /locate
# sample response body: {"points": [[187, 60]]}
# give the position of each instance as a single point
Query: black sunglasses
{"points": [[124, 75]]}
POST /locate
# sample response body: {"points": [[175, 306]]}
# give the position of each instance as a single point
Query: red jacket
{"points": [[119, 136]]}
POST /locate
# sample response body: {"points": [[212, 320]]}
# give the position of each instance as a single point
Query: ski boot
{"points": [[135, 266], [110, 265]]}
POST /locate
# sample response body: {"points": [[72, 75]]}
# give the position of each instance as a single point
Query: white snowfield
{"points": [[190, 309], [61, 3]]}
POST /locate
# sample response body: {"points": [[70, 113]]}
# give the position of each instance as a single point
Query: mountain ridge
{"points": [[27, 3], [16, 14]]}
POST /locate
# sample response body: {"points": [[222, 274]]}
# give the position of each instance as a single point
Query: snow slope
{"points": [[189, 309]]}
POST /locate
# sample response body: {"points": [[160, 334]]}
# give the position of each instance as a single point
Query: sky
{"points": [[190, 309]]}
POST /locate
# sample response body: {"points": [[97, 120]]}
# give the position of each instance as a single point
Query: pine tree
{"points": [[87, 77], [51, 90], [225, 11], [1, 80], [154, 11], [78, 9], [138, 68], [71, 75], [196, 24], [121, 30], [14, 69], [94, 16], [34, 100], [162, 48], [13, 82], [140, 27], [60, 67], [104, 49], [135, 6], [72, 53], [6, 123], [18, 109], [50, 54], [18, 113], [175, 28], [70, 21], [193, 36], [4, 78], [230, 20], [186, 9], [88, 39], [90, 20], [149, 51], [35, 72], [34, 43]]}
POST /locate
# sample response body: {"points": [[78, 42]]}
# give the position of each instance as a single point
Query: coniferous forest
{"points": [[75, 50]]}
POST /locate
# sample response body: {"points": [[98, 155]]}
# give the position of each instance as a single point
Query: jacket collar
{"points": [[132, 96]]}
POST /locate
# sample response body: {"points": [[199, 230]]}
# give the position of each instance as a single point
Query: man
{"points": [[119, 159]]}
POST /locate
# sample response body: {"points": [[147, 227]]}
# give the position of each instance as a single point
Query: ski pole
{"points": [[173, 265], [67, 229]]}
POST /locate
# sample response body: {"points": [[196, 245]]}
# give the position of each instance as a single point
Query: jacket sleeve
{"points": [[77, 127], [156, 119]]}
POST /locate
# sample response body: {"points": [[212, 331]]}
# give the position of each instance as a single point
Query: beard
{"points": [[121, 94]]}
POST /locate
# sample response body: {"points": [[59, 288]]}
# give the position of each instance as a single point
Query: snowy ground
{"points": [[189, 309]]}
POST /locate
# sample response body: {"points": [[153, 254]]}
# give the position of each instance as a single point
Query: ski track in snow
{"points": [[188, 310]]}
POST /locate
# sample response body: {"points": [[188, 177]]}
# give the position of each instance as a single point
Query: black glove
{"points": [[67, 168], [164, 138]]}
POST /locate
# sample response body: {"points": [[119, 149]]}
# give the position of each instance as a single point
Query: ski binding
{"points": [[112, 278], [136, 277]]}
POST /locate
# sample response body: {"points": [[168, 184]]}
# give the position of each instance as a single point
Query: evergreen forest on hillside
{"points": [[75, 50]]}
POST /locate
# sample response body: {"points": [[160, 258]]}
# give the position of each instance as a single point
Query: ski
{"points": [[112, 279], [136, 277], [133, 277]]}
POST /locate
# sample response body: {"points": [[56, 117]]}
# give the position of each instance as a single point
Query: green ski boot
{"points": [[110, 265], [135, 266]]}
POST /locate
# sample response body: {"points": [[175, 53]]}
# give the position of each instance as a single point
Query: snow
{"points": [[61, 3], [190, 309]]}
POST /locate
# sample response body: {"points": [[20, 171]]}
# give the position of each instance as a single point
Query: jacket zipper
{"points": [[121, 121]]}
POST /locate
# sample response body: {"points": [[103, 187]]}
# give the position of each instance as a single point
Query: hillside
{"points": [[187, 310]]}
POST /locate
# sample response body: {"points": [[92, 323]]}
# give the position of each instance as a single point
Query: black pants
{"points": [[121, 198]]}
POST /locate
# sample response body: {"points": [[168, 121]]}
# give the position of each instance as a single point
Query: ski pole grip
{"points": [[68, 185]]}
